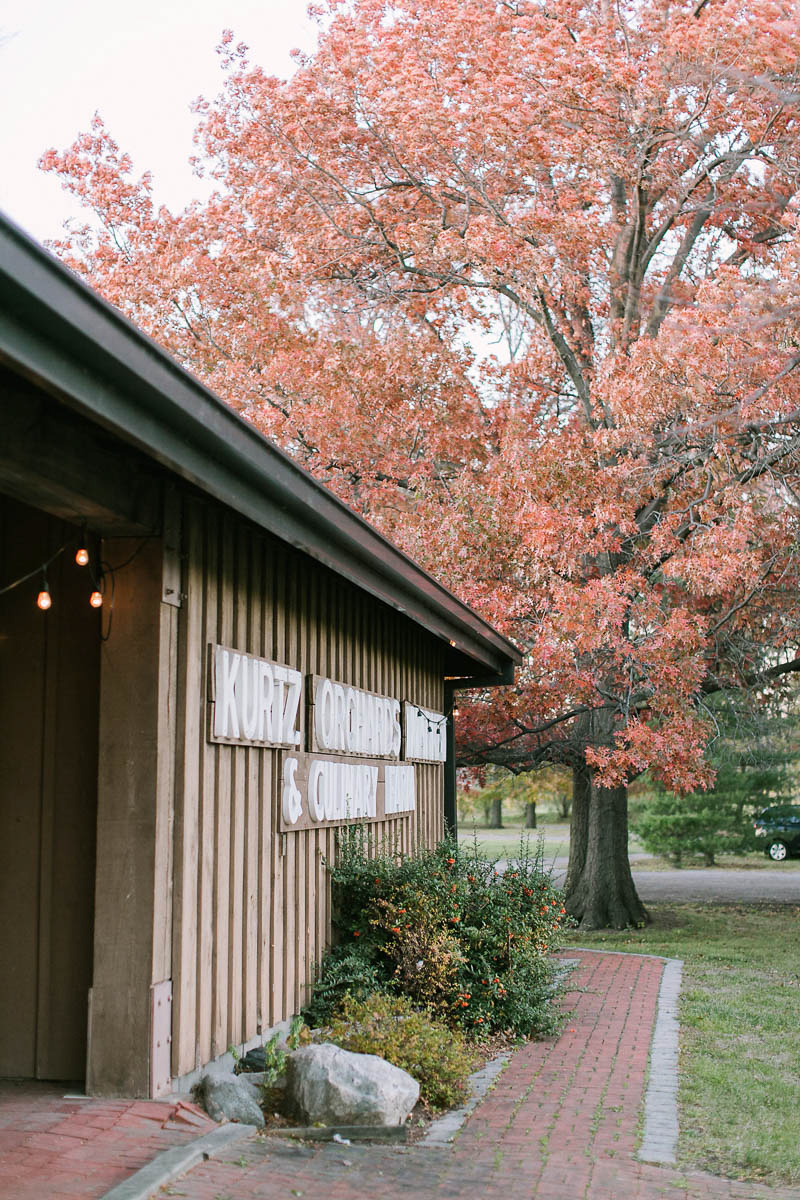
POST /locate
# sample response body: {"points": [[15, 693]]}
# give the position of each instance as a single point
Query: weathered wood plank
{"points": [[191, 692], [207, 550], [127, 802], [250, 976], [239, 585], [225, 757], [277, 1008], [293, 930], [267, 828]]}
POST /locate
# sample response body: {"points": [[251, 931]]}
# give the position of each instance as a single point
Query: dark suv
{"points": [[779, 826]]}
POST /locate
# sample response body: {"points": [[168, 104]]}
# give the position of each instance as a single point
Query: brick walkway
{"points": [[57, 1149], [561, 1123]]}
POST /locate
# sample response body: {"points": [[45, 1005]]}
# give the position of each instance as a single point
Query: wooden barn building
{"points": [[174, 763]]}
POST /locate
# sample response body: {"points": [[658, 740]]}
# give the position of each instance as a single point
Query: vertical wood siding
{"points": [[252, 906]]}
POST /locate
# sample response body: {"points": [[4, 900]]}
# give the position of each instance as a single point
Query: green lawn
{"points": [[740, 1011], [740, 1051], [505, 843]]}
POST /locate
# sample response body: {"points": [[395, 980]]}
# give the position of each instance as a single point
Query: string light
{"points": [[101, 596], [44, 599], [98, 585], [42, 568], [82, 555], [434, 723]]}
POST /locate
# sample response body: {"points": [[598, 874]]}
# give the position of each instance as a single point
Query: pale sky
{"points": [[140, 65]]}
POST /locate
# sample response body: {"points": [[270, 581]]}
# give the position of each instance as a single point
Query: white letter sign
{"points": [[291, 798], [424, 733], [256, 702], [348, 720], [400, 795], [320, 790]]}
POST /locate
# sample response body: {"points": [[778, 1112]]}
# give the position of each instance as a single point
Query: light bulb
{"points": [[43, 600], [96, 599], [82, 556], [455, 712]]}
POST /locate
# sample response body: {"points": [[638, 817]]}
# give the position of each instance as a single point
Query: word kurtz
{"points": [[255, 700]]}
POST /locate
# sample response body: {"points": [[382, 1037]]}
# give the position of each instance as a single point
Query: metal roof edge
{"points": [[59, 329]]}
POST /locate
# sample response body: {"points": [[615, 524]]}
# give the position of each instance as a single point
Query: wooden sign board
{"points": [[320, 790], [256, 702], [424, 734], [253, 701], [348, 720]]}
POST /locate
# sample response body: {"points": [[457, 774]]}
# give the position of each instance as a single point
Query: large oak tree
{"points": [[519, 280]]}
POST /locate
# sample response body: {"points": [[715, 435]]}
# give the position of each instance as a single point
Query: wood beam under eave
{"points": [[54, 460]]}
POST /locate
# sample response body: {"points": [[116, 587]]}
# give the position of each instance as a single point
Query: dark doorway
{"points": [[49, 694]]}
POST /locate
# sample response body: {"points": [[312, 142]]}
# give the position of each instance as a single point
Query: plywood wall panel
{"points": [[252, 911], [191, 710], [252, 879], [206, 526]]}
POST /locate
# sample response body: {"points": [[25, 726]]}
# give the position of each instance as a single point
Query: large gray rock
{"points": [[225, 1098], [330, 1086], [258, 1080]]}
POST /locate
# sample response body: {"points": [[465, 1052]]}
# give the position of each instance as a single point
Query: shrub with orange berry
{"points": [[463, 939]]}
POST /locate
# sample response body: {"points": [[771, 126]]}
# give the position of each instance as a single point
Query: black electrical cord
{"points": [[40, 570]]}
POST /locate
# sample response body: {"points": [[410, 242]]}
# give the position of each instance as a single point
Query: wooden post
{"points": [[134, 824], [450, 809]]}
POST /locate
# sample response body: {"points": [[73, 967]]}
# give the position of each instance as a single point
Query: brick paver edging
{"points": [[444, 1130], [169, 1164], [561, 1122], [660, 1138], [660, 1132]]}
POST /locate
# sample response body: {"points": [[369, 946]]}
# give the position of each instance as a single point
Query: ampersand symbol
{"points": [[292, 799]]}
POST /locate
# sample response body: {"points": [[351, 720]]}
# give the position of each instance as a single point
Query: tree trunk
{"points": [[494, 814], [579, 827], [599, 888], [530, 814]]}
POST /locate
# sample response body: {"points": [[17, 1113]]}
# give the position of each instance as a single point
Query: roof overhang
{"points": [[60, 334]]}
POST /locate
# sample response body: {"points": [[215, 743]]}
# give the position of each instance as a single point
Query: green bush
{"points": [[390, 1026], [446, 929], [718, 821], [346, 970]]}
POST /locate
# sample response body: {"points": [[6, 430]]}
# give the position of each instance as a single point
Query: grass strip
{"points": [[739, 1061], [554, 836]]}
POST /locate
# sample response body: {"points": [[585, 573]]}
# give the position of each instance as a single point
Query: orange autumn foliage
{"points": [[520, 282]]}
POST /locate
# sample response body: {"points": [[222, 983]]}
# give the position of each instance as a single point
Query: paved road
{"points": [[716, 884], [774, 884]]}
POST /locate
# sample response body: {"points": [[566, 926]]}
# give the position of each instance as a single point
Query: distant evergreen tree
{"points": [[755, 764]]}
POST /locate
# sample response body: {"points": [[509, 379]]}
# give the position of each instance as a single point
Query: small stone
{"points": [[226, 1098]]}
